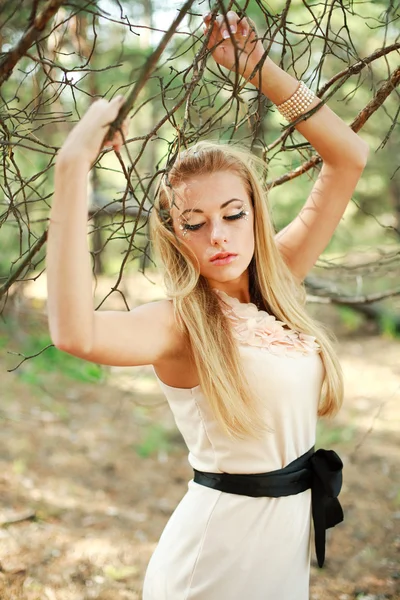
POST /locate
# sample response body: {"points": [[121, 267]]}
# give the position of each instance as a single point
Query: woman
{"points": [[244, 367]]}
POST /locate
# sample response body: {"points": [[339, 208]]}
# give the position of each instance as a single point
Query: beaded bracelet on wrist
{"points": [[297, 104]]}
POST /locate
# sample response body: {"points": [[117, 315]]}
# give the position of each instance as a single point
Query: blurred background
{"points": [[92, 464]]}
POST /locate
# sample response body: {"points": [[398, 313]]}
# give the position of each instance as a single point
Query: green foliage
{"points": [[19, 466], [53, 359], [351, 319], [328, 434], [389, 326], [120, 573], [156, 439], [33, 370], [3, 341]]}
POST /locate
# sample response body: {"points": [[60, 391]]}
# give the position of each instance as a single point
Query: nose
{"points": [[218, 233]]}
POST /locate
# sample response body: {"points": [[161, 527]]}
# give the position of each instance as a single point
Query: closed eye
{"points": [[230, 218]]}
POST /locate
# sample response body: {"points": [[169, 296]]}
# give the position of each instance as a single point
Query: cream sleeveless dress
{"points": [[220, 546]]}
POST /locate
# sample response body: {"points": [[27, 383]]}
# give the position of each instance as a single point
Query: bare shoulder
{"points": [[145, 335], [160, 315]]}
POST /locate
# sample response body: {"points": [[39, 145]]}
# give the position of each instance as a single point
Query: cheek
{"points": [[194, 243], [249, 241], [248, 231]]}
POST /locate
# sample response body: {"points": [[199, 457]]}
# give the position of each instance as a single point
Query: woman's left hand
{"points": [[249, 48]]}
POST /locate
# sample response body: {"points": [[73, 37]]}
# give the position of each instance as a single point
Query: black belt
{"points": [[321, 471]]}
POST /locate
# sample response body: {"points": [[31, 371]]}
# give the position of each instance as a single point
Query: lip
{"points": [[223, 258]]}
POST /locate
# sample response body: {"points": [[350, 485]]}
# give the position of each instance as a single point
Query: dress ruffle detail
{"points": [[254, 327]]}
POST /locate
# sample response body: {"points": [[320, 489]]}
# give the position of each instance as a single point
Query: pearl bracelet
{"points": [[297, 104]]}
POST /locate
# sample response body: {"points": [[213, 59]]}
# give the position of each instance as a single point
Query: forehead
{"points": [[208, 192]]}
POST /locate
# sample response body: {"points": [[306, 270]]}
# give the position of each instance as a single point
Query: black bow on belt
{"points": [[321, 471]]}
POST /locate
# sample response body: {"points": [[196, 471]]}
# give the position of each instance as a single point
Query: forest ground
{"points": [[91, 472]]}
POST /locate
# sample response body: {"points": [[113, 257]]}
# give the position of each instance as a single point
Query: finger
{"points": [[112, 108], [230, 21], [243, 26], [220, 22], [233, 18], [124, 133], [117, 139], [117, 103], [208, 25], [246, 25], [116, 146], [118, 143]]}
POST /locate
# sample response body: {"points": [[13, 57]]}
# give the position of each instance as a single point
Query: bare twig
{"points": [[147, 70], [362, 117], [11, 58]]}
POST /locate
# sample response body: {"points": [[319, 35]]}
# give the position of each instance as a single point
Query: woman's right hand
{"points": [[85, 140]]}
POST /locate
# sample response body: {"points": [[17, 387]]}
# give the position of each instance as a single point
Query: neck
{"points": [[237, 288]]}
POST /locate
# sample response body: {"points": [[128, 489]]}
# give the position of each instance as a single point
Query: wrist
{"points": [[71, 156], [262, 71], [274, 82]]}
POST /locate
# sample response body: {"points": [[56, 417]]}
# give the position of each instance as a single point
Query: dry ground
{"points": [[90, 473]]}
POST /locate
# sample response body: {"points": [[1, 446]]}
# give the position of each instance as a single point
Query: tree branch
{"points": [[8, 63], [360, 120], [147, 70]]}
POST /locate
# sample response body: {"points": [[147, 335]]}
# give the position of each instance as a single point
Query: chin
{"points": [[223, 274]]}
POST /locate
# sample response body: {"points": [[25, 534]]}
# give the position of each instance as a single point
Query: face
{"points": [[213, 215]]}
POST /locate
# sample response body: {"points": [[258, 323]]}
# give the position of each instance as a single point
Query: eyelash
{"points": [[231, 218]]}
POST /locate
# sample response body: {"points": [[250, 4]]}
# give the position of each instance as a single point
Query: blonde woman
{"points": [[245, 369]]}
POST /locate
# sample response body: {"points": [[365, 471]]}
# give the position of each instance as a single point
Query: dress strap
{"points": [[321, 471]]}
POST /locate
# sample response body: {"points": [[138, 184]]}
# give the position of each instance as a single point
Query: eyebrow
{"points": [[197, 210]]}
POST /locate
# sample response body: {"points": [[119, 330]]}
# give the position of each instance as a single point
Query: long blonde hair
{"points": [[272, 287]]}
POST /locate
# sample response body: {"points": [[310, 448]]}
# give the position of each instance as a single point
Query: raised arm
{"points": [[343, 152], [344, 156], [144, 335]]}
